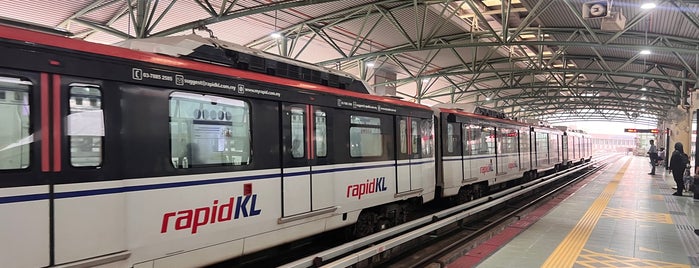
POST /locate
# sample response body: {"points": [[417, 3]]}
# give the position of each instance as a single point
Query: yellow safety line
{"points": [[568, 250]]}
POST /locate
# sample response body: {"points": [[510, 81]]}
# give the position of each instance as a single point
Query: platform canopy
{"points": [[553, 60]]}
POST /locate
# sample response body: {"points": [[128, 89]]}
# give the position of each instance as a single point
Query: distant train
{"points": [[114, 157]]}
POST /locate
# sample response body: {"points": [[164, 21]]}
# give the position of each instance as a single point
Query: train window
{"points": [[85, 125], [471, 139], [15, 134], [427, 137], [208, 130], [365, 136], [321, 135], [508, 141], [542, 148], [524, 140], [481, 140], [553, 145], [415, 136], [451, 138], [298, 126], [403, 125]]}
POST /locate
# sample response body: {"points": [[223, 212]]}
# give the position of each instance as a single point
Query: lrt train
{"points": [[110, 156]]}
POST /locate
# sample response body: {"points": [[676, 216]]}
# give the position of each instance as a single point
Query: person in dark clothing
{"points": [[653, 154], [678, 163]]}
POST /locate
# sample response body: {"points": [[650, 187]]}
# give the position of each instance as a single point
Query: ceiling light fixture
{"points": [[647, 6], [275, 34], [645, 52], [644, 89], [370, 64]]}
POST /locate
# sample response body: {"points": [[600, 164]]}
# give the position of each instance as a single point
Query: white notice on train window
{"points": [[88, 123]]}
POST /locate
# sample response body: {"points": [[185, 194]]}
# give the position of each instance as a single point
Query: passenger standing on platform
{"points": [[678, 163], [653, 154]]}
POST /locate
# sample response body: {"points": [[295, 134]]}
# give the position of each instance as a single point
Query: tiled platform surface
{"points": [[620, 218]]}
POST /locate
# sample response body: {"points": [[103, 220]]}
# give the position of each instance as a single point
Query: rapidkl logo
{"points": [[486, 169], [369, 187], [244, 206]]}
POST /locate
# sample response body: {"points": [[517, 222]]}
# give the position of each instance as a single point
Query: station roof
{"points": [[553, 60]]}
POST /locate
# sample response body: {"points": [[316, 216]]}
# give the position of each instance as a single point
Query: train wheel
{"points": [[478, 191], [465, 195], [527, 177], [384, 223], [367, 222]]}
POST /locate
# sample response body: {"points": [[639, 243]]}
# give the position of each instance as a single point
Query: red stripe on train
{"points": [[45, 158], [57, 123]]}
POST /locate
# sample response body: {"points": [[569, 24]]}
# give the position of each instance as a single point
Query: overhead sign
{"points": [[642, 130]]}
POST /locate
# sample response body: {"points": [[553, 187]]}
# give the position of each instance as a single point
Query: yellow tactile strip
{"points": [[637, 215], [568, 250], [634, 195], [591, 259]]}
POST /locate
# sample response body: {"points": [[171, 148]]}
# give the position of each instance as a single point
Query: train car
{"points": [[480, 151], [577, 147], [120, 158], [547, 152]]}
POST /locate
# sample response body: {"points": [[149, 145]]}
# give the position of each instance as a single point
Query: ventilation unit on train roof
{"points": [[570, 129], [473, 109], [536, 122], [219, 52]]}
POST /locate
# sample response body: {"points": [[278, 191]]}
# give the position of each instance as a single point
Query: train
{"points": [[186, 151]]}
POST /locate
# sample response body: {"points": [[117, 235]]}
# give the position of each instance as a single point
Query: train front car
{"points": [[111, 156], [481, 151]]}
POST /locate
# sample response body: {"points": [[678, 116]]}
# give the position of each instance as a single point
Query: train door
{"points": [[507, 151], [305, 136], [296, 168], [564, 149], [419, 147], [89, 217], [25, 165], [479, 152], [526, 149], [409, 168], [554, 148], [403, 155]]}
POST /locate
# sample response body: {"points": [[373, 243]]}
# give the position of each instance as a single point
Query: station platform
{"points": [[621, 217]]}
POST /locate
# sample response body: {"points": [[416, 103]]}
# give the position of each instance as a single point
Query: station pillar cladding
{"points": [[684, 128], [679, 132]]}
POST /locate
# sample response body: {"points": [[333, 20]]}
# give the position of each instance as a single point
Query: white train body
{"points": [[118, 158]]}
